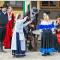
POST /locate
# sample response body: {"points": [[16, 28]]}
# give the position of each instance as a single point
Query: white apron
{"points": [[14, 44]]}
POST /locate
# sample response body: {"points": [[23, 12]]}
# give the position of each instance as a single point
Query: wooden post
{"points": [[38, 5]]}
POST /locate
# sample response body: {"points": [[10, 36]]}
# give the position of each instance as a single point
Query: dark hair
{"points": [[0, 8], [9, 6], [18, 16]]}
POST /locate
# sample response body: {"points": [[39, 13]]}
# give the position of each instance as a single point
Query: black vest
{"points": [[3, 19]]}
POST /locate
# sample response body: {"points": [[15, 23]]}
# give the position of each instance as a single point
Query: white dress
{"points": [[19, 25]]}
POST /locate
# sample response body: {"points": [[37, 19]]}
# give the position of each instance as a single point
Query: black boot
{"points": [[1, 47], [45, 54], [48, 53]]}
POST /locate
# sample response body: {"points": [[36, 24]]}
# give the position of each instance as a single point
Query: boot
{"points": [[1, 47]]}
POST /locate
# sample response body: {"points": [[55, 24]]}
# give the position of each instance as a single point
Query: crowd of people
{"points": [[12, 34]]}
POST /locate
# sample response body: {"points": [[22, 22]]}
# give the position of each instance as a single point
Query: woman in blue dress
{"points": [[47, 29]]}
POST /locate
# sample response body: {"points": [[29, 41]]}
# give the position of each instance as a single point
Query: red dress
{"points": [[58, 38], [8, 35]]}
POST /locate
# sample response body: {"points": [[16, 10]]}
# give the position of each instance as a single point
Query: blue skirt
{"points": [[47, 42]]}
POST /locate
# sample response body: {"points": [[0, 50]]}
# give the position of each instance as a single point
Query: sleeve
{"points": [[41, 26], [24, 19], [27, 23]]}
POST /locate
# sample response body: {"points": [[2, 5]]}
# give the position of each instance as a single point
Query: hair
{"points": [[10, 6], [1, 8], [18, 16], [45, 16]]}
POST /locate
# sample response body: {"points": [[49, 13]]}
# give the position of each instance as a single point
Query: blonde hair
{"points": [[45, 16]]}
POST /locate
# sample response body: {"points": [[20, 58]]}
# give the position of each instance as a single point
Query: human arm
{"points": [[25, 18], [27, 23]]}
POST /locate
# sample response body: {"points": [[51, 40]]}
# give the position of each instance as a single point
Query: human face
{"points": [[45, 17], [9, 9], [4, 10]]}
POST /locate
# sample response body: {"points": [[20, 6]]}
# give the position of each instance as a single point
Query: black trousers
{"points": [[2, 34]]}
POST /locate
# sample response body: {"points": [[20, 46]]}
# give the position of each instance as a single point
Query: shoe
{"points": [[17, 56], [23, 55], [13, 53], [45, 54], [48, 53], [59, 51], [2, 51]]}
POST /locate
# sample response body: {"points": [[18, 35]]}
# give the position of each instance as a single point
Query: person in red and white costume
{"points": [[9, 27]]}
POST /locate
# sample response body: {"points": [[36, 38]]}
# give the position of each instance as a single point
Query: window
{"points": [[19, 3], [33, 3], [48, 4], [45, 3], [16, 3], [52, 3]]}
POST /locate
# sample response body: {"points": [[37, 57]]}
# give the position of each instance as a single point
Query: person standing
{"points": [[9, 27], [58, 34], [47, 29], [18, 38], [3, 22]]}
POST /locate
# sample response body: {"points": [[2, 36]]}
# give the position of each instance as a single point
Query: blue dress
{"points": [[47, 37]]}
